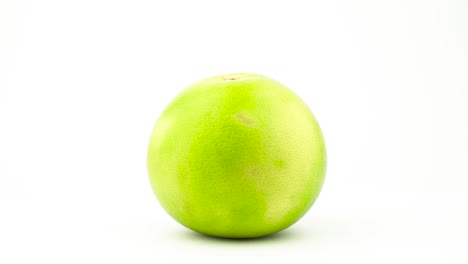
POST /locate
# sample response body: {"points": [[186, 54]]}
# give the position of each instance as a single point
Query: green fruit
{"points": [[237, 156]]}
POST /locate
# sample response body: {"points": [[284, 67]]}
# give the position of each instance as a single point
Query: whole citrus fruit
{"points": [[237, 156]]}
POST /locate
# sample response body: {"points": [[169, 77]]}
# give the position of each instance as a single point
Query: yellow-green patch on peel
{"points": [[237, 156]]}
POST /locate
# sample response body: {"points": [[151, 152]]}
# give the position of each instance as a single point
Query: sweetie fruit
{"points": [[237, 156]]}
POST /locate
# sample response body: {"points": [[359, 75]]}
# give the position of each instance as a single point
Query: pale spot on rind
{"points": [[244, 119]]}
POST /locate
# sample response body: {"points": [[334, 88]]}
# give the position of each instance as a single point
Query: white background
{"points": [[82, 83]]}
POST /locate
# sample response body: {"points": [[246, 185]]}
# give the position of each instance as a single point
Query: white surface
{"points": [[87, 79]]}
